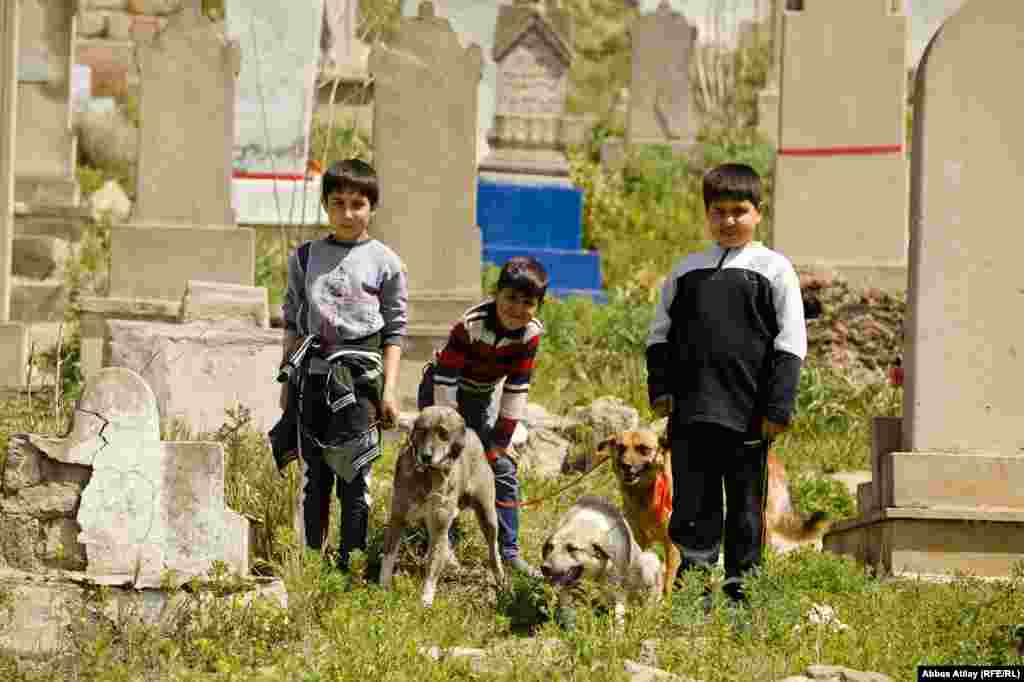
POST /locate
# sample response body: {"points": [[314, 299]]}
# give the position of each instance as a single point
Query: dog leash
{"points": [[561, 490]]}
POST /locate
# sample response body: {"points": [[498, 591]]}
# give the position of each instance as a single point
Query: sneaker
{"points": [[518, 563]]}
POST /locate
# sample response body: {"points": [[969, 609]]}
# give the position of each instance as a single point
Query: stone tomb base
{"points": [[209, 351], [154, 261], [45, 607], [935, 513], [936, 541]]}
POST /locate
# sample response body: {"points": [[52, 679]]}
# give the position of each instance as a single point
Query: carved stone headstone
{"points": [[843, 123], [187, 113], [951, 467], [149, 506], [533, 53], [660, 110]]}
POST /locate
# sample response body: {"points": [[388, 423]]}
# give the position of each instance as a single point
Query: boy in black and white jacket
{"points": [[723, 360]]}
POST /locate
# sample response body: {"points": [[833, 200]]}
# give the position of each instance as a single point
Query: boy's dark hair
{"points": [[524, 274], [351, 175], [732, 182]]}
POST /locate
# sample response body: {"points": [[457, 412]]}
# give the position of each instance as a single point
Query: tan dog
{"points": [[441, 471], [638, 460], [786, 528], [593, 540]]}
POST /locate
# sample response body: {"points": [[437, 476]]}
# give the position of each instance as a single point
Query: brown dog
{"points": [[442, 471], [639, 458], [639, 461]]}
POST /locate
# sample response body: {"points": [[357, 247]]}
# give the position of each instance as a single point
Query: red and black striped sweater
{"points": [[478, 355]]}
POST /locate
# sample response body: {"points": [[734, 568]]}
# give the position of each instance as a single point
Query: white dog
{"points": [[441, 471], [593, 540]]}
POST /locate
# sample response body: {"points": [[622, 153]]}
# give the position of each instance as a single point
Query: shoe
{"points": [[518, 563]]}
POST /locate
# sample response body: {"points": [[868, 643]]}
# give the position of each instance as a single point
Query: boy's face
{"points": [[515, 308], [349, 213], [732, 222]]}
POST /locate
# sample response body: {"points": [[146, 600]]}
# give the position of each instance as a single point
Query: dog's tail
{"points": [[782, 519], [798, 529]]}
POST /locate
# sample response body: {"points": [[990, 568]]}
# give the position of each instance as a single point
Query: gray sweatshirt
{"points": [[349, 290]]}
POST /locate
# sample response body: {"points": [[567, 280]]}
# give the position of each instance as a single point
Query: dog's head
{"points": [[591, 539], [438, 438], [637, 456]]}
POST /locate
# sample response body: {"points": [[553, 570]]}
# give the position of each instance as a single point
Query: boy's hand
{"points": [[662, 407], [771, 430], [388, 410]]}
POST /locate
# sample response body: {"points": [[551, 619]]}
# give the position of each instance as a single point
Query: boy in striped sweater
{"points": [[495, 340]]}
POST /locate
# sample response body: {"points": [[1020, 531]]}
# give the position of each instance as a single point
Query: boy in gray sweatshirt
{"points": [[346, 307]]}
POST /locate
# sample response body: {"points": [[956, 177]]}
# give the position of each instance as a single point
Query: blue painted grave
{"points": [[543, 221]]}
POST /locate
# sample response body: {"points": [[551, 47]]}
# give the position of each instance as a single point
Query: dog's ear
{"points": [[458, 443], [608, 442], [602, 552]]}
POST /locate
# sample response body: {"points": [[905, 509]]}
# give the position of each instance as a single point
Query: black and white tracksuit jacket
{"points": [[728, 338]]}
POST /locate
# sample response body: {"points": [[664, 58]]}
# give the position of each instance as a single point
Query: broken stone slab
{"points": [[151, 508], [44, 606], [222, 302]]}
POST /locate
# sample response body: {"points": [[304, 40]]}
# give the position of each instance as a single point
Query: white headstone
{"points": [[966, 293], [280, 50], [149, 506]]}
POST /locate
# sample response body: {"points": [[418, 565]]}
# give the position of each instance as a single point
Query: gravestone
{"points": [[182, 230], [424, 140], [945, 494], [660, 110], [533, 53], [45, 163], [13, 335], [187, 109], [147, 506], [843, 119], [527, 205], [279, 59]]}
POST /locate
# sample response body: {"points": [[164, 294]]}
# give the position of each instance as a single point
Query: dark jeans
{"points": [[319, 482], [704, 456], [480, 412]]}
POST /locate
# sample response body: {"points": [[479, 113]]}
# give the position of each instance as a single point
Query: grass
{"points": [[340, 627], [343, 627]]}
